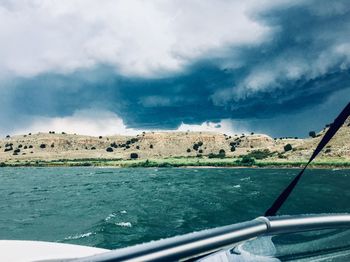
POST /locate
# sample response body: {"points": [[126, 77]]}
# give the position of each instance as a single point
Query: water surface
{"points": [[111, 208]]}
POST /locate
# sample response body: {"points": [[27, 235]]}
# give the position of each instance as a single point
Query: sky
{"points": [[104, 67]]}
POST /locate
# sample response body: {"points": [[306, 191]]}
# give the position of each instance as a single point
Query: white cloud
{"points": [[83, 122], [142, 38], [98, 122], [225, 126]]}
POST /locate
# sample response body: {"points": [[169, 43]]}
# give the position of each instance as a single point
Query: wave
{"points": [[78, 236], [124, 224], [114, 214]]}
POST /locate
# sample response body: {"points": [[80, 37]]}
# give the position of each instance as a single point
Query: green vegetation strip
{"points": [[180, 162]]}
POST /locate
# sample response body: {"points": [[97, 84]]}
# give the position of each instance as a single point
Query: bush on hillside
{"points": [[288, 147], [260, 154], [247, 160], [312, 134], [134, 155], [222, 153]]}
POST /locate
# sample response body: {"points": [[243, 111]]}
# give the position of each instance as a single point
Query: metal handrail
{"points": [[207, 241]]}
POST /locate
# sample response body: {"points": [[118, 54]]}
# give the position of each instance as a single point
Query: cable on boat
{"points": [[334, 127]]}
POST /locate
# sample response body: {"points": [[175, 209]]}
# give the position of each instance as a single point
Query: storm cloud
{"points": [[162, 65]]}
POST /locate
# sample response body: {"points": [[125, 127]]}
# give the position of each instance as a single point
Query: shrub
{"points": [[93, 148], [100, 137], [200, 143], [312, 134], [17, 150], [260, 154], [137, 147], [328, 150], [25, 147], [200, 151], [30, 146], [42, 146], [52, 145], [63, 133], [188, 150], [151, 146], [8, 149], [222, 152], [134, 155], [247, 161], [280, 155], [134, 140], [8, 136], [195, 147], [220, 155], [233, 149], [288, 147], [109, 149], [20, 146], [29, 134], [114, 144], [211, 155]]}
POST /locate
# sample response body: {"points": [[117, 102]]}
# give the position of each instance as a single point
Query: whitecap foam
{"points": [[124, 224], [109, 217], [237, 186], [123, 212], [78, 236]]}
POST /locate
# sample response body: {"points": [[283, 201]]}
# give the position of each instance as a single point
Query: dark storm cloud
{"points": [[303, 65]]}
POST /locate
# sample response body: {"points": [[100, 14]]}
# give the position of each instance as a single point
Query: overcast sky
{"points": [[106, 66]]}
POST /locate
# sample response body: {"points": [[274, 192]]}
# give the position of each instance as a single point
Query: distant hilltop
{"points": [[51, 147]]}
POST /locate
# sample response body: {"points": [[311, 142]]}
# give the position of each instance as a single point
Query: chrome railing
{"points": [[207, 241]]}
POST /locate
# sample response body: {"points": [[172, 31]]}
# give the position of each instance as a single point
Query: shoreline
{"points": [[179, 163]]}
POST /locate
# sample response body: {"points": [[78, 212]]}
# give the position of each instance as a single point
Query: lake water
{"points": [[111, 208]]}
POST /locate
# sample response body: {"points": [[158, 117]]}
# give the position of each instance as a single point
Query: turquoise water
{"points": [[113, 208]]}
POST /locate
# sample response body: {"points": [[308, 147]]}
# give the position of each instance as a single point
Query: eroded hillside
{"points": [[155, 145]]}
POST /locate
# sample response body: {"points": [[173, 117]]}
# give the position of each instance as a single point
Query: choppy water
{"points": [[113, 208]]}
